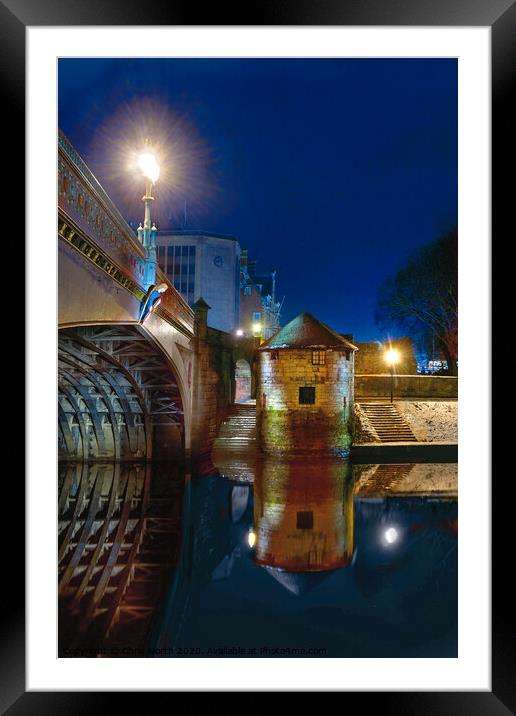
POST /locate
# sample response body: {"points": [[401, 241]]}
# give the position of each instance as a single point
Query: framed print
{"points": [[247, 346]]}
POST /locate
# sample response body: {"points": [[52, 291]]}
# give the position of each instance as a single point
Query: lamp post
{"points": [[392, 357], [149, 167]]}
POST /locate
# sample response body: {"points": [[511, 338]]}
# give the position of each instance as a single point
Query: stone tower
{"points": [[305, 389]]}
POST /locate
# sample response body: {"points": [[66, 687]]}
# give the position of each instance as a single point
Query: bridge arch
{"points": [[120, 395]]}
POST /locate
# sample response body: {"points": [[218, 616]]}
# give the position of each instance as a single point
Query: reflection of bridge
{"points": [[126, 388]]}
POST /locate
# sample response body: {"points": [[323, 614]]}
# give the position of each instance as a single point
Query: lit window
{"points": [[307, 395], [256, 316], [318, 357]]}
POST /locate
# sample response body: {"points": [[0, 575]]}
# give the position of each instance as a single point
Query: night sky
{"points": [[332, 171]]}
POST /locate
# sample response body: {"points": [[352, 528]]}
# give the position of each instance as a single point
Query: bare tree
{"points": [[421, 298]]}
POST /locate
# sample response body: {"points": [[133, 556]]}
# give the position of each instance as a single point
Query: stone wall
{"points": [[213, 383], [406, 386], [370, 357], [214, 380], [361, 427], [283, 424]]}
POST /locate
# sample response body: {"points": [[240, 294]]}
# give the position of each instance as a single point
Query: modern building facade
{"points": [[305, 389], [204, 265]]}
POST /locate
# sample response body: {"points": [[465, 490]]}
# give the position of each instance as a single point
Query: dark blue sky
{"points": [[332, 171]]}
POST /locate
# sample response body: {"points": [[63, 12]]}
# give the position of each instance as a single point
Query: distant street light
{"points": [[149, 167], [392, 356]]}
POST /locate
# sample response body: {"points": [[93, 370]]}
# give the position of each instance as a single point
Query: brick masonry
{"points": [[406, 386], [370, 357], [214, 380], [285, 425]]}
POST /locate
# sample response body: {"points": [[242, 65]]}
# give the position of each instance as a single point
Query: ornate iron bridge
{"points": [[124, 386]]}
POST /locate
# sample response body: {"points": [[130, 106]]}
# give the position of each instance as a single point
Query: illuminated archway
{"points": [[242, 381]]}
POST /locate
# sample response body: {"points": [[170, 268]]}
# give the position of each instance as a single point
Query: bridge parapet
{"points": [[173, 305]]}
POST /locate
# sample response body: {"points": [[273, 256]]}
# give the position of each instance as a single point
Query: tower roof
{"points": [[201, 303], [298, 582], [305, 331]]}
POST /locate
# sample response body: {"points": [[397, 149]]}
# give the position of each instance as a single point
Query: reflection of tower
{"points": [[303, 516]]}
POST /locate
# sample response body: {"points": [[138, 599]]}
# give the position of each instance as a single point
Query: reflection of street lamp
{"points": [[251, 538], [149, 167], [390, 536], [392, 357]]}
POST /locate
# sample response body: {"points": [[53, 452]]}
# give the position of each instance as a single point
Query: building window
{"points": [[305, 520], [247, 290], [318, 357], [307, 395], [256, 315]]}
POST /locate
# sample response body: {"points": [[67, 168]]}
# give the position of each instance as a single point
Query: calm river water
{"points": [[277, 558]]}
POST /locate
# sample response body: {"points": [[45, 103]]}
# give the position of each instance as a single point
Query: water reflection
{"points": [[316, 558], [118, 538], [303, 514], [306, 558]]}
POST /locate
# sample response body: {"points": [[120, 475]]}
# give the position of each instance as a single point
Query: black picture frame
{"points": [[500, 15]]}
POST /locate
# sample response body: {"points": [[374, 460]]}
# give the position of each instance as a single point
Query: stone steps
{"points": [[238, 430], [388, 423]]}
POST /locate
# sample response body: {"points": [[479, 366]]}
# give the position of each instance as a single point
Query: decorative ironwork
{"points": [[118, 539], [114, 387]]}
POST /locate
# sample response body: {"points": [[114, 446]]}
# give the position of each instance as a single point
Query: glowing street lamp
{"points": [[148, 165], [257, 329], [392, 356]]}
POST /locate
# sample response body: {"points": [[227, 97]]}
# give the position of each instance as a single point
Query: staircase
{"points": [[383, 480], [238, 430], [389, 424]]}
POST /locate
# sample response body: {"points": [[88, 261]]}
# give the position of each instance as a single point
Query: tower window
{"points": [[307, 395], [305, 520], [318, 357]]}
